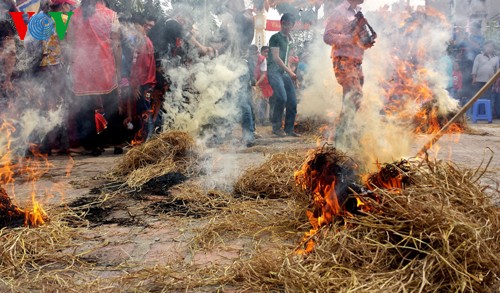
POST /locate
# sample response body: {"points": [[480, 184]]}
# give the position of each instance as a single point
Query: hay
{"points": [[43, 258], [189, 200], [312, 126], [172, 151], [272, 179], [441, 234]]}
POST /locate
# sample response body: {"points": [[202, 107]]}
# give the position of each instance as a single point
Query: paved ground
{"points": [[132, 235]]}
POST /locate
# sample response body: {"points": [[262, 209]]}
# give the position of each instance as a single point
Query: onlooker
{"points": [[457, 82], [7, 48], [281, 78], [264, 90], [143, 80], [485, 66], [50, 68], [95, 60]]}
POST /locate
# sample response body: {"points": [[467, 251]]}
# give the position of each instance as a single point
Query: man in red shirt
{"points": [[143, 79], [349, 35], [95, 62]]}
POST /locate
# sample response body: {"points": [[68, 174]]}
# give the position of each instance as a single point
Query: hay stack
{"points": [[441, 234], [172, 151], [272, 179]]}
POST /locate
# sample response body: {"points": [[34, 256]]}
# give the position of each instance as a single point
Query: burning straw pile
{"points": [[172, 151], [439, 233]]}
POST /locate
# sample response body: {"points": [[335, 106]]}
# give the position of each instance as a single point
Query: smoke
{"points": [[418, 41]]}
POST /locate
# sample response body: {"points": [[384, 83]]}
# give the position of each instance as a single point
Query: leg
{"points": [[279, 99], [291, 104]]}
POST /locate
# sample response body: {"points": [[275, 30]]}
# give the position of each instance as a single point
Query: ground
{"points": [[134, 229]]}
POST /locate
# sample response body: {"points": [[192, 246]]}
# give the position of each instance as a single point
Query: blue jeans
{"points": [[246, 110], [284, 97]]}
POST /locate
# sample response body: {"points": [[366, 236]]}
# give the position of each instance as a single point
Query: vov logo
{"points": [[41, 26]]}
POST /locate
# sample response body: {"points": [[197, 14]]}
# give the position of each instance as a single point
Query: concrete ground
{"points": [[131, 235]]}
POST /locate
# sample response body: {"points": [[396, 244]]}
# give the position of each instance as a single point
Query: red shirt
{"points": [[144, 68], [93, 63], [337, 32]]}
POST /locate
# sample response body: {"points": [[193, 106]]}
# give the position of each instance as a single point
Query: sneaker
{"points": [[293, 134], [279, 133]]}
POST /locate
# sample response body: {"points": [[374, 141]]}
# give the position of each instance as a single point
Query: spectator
{"points": [[95, 60], [50, 68], [485, 66], [143, 80], [264, 90], [281, 78], [7, 48], [457, 82]]}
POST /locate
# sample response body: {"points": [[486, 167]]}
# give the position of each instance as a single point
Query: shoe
{"points": [[293, 134], [279, 133]]}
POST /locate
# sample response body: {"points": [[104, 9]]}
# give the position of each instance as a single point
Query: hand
{"points": [[292, 75], [127, 121]]}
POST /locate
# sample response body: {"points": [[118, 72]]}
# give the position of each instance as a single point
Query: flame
{"points": [[409, 94], [328, 176], [32, 168]]}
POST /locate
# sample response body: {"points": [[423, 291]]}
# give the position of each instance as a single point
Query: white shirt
{"points": [[485, 67]]}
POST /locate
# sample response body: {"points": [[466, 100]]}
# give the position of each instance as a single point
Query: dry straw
{"points": [[273, 179], [172, 151]]}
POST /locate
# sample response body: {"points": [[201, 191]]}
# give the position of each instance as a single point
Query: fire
{"points": [[410, 95], [330, 177], [32, 169]]}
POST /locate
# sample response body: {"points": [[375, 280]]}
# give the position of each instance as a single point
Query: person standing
{"points": [[281, 78], [143, 80], [342, 32], [485, 66], [262, 84], [95, 62]]}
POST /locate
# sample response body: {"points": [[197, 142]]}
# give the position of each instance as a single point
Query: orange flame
{"points": [[33, 168]]}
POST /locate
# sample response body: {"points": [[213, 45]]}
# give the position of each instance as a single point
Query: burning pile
{"points": [[172, 151], [427, 226], [32, 168]]}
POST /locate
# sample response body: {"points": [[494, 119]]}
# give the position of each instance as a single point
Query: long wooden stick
{"points": [[462, 111]]}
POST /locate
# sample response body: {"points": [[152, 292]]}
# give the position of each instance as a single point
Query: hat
{"points": [[60, 2]]}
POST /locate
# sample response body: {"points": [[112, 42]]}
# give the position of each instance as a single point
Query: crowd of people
{"points": [[117, 76], [473, 61]]}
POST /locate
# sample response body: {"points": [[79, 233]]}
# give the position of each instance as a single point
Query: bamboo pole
{"points": [[462, 111]]}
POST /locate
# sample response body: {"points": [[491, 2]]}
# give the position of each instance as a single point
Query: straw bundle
{"points": [[172, 151], [273, 179], [441, 234]]}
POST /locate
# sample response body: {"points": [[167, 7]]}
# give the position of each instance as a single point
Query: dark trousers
{"points": [[82, 123], [284, 97]]}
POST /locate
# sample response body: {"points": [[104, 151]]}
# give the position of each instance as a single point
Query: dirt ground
{"points": [[134, 229]]}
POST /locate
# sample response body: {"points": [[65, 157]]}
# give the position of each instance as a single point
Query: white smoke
{"points": [[382, 138]]}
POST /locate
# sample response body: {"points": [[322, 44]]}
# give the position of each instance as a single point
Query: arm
{"points": [[275, 53], [335, 34]]}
